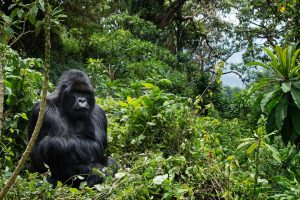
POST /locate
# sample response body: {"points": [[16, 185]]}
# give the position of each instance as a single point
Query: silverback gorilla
{"points": [[72, 140]]}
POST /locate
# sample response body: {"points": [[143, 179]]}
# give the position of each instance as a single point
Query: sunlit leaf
{"points": [[74, 190], [271, 54], [294, 58], [59, 184], [230, 158], [32, 14], [252, 148], [24, 116], [296, 96], [266, 98], [119, 175], [158, 180], [148, 85], [42, 5], [286, 87], [130, 100], [11, 6], [282, 9], [275, 153]]}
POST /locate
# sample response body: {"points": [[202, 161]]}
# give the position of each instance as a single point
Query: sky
{"points": [[231, 79]]}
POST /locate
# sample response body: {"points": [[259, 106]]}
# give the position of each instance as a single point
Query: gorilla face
{"points": [[78, 100]]}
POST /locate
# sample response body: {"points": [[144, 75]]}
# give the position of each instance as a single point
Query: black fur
{"points": [[73, 138]]}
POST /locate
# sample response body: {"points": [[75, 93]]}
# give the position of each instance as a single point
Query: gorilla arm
{"points": [[50, 126], [57, 149], [70, 149]]}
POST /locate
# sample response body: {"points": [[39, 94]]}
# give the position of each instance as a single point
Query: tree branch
{"points": [[238, 74], [166, 17]]}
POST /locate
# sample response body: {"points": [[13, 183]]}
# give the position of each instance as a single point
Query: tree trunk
{"points": [[167, 16], [42, 108]]}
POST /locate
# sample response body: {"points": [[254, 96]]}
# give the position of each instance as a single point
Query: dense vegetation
{"points": [[175, 129]]}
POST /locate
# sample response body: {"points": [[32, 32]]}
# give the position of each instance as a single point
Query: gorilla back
{"points": [[72, 140]]}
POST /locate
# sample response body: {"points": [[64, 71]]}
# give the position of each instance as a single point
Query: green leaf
{"points": [[42, 5], [148, 85], [244, 144], [5, 18], [255, 63], [294, 58], [273, 102], [284, 60], [230, 158], [296, 96], [9, 32], [275, 153], [39, 24], [130, 100], [296, 85], [14, 13], [296, 120], [123, 104], [59, 184], [286, 87], [74, 190], [20, 12], [266, 98], [281, 112], [24, 116], [32, 14], [272, 55], [11, 6], [252, 148]]}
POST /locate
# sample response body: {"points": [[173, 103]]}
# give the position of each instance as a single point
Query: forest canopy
{"points": [[175, 129]]}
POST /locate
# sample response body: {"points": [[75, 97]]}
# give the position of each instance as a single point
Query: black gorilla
{"points": [[72, 140]]}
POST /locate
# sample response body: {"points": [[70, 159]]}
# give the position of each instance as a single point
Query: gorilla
{"points": [[73, 139]]}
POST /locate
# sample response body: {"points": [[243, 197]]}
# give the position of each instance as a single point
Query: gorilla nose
{"points": [[82, 101]]}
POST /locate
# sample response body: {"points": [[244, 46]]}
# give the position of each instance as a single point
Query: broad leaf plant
{"points": [[281, 92]]}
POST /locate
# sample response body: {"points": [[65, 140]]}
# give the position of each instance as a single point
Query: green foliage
{"points": [[22, 88], [19, 14], [154, 120], [257, 145], [139, 28], [281, 92], [128, 56], [175, 131], [289, 186]]}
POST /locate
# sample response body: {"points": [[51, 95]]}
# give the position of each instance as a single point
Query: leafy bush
{"points": [[154, 120], [126, 56], [22, 88], [139, 28]]}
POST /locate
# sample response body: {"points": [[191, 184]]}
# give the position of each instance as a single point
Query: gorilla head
{"points": [[76, 95]]}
